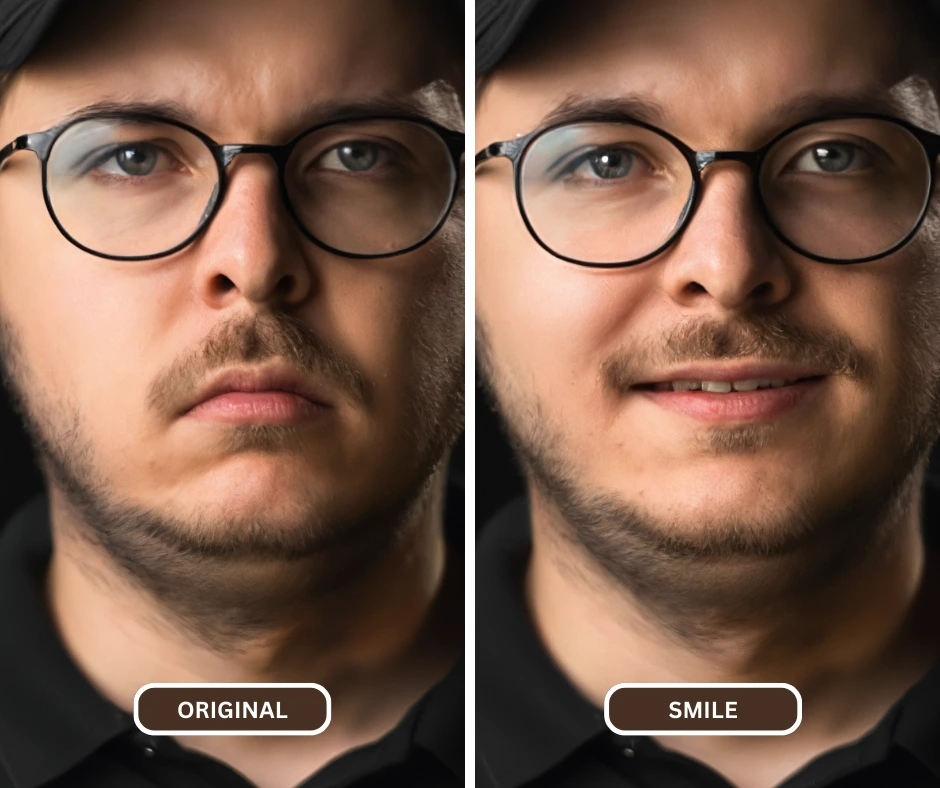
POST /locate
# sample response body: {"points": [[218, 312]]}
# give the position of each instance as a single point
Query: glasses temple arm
{"points": [[39, 143], [18, 144], [510, 149]]}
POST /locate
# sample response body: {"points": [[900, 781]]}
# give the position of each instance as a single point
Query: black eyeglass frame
{"points": [[517, 149], [42, 143]]}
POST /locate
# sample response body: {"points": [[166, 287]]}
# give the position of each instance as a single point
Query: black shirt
{"points": [[534, 729], [57, 731]]}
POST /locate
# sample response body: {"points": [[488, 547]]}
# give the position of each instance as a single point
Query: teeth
{"points": [[716, 386], [724, 387]]}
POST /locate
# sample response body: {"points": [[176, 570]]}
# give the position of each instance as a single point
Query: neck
{"points": [[851, 647], [376, 636]]}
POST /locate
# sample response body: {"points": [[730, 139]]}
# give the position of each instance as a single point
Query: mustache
{"points": [[257, 339], [764, 338]]}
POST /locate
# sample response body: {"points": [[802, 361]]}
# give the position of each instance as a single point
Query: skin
{"points": [[339, 521], [665, 549]]}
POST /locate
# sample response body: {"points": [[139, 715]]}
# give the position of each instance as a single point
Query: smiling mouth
{"points": [[723, 386]]}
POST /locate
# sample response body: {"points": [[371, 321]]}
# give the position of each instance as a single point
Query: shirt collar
{"points": [[529, 716], [439, 727], [918, 722], [50, 718]]}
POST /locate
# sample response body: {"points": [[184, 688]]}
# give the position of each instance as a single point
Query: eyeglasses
{"points": [[129, 186], [839, 189]]}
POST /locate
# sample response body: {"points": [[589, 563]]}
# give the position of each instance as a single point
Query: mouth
{"points": [[272, 396], [724, 386], [733, 395]]}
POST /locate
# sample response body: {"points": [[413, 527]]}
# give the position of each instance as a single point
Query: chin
{"points": [[260, 485]]}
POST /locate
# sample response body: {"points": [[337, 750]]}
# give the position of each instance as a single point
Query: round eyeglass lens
{"points": [[371, 187], [604, 193], [130, 188], [846, 189]]}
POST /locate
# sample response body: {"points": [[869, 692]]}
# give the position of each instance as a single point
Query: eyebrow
{"points": [[313, 114], [626, 107], [632, 107]]}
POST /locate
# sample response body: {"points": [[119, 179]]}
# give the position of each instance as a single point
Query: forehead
{"points": [[240, 66], [717, 68]]}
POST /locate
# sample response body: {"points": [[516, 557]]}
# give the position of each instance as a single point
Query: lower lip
{"points": [[257, 407], [736, 406]]}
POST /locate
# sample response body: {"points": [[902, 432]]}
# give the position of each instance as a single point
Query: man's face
{"points": [[109, 356], [560, 339]]}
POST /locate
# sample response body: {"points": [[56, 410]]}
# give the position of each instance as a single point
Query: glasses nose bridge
{"points": [[750, 159], [278, 153]]}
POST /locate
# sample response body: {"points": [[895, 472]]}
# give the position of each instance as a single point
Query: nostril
{"points": [[286, 285], [222, 284], [694, 288], [763, 290]]}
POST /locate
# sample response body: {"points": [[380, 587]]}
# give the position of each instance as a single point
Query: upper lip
{"points": [[735, 372], [257, 379]]}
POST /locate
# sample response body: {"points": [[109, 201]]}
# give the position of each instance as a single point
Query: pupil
{"points": [[136, 161], [358, 157], [611, 164], [833, 159]]}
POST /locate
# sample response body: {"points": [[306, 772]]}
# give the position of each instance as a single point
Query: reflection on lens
{"points": [[371, 187], [130, 188], [846, 189], [604, 192]]}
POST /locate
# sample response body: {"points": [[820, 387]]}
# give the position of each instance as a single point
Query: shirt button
{"points": [[628, 752], [147, 744]]}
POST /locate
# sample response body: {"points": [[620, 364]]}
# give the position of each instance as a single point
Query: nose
{"points": [[727, 258], [252, 250]]}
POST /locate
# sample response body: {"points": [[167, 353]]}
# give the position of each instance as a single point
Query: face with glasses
{"points": [[230, 280], [707, 267]]}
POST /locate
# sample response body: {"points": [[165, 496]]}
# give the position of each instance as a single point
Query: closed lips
{"points": [[249, 381]]}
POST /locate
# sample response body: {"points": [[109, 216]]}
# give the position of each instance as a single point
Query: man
{"points": [[708, 278], [230, 295]]}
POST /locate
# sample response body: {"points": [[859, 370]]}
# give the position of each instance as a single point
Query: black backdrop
{"points": [[19, 479]]}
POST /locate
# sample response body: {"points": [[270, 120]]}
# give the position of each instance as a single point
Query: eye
{"points": [[608, 163], [832, 157], [133, 160], [354, 156], [603, 164]]}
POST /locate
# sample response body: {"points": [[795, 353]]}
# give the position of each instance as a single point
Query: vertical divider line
{"points": [[470, 394]]}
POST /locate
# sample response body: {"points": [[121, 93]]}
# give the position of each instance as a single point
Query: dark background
{"points": [[19, 479]]}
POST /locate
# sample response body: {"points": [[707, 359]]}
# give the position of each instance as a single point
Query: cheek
{"points": [[85, 328], [550, 323], [885, 307], [385, 312]]}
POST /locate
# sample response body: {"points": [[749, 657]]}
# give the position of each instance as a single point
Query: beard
{"points": [[715, 568], [227, 579]]}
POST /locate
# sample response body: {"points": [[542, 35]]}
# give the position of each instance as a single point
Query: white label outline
{"points": [[691, 685], [233, 685]]}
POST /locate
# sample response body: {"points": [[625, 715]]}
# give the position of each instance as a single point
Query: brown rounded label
{"points": [[236, 709], [699, 709]]}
